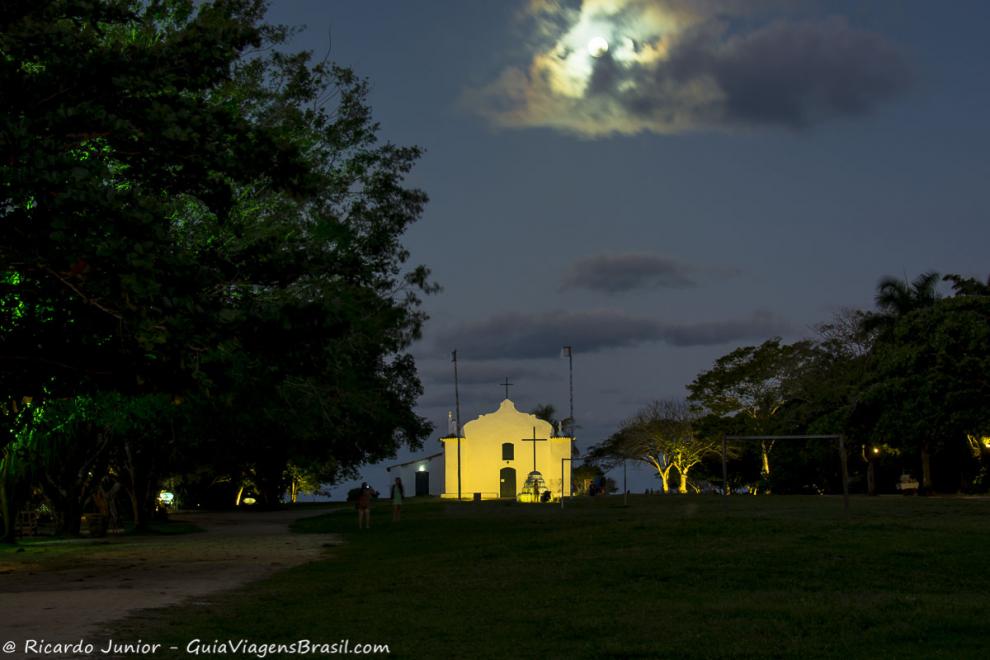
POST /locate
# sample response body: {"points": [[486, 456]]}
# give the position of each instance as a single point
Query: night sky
{"points": [[726, 172]]}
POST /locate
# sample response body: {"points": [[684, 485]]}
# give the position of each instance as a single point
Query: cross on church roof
{"points": [[506, 384]]}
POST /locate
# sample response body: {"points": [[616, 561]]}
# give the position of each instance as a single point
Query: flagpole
{"points": [[457, 423], [570, 369]]}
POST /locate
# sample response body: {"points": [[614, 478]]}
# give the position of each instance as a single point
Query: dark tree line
{"points": [[201, 272], [907, 384]]}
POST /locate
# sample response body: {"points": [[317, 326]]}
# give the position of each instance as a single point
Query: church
{"points": [[498, 453]]}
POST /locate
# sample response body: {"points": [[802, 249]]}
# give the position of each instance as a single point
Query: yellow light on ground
{"points": [[249, 500], [597, 46]]}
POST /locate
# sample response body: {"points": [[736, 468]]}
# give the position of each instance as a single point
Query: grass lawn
{"points": [[674, 577]]}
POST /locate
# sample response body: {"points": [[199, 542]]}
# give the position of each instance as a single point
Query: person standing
{"points": [[398, 494], [364, 506]]}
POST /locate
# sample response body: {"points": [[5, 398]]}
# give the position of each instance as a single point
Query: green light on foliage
{"points": [[32, 68]]}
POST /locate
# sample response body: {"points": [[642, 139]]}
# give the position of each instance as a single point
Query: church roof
{"points": [[508, 415], [415, 460]]}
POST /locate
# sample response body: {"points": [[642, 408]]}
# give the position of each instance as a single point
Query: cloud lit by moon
{"points": [[669, 66], [597, 47]]}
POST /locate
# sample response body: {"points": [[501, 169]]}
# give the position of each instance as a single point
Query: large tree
{"points": [[929, 391], [193, 213], [752, 383], [663, 436], [897, 301]]}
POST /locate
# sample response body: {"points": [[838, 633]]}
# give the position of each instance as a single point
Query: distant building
{"points": [[498, 456], [423, 476]]}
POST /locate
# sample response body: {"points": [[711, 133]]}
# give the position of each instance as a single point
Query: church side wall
{"points": [[450, 467], [435, 468]]}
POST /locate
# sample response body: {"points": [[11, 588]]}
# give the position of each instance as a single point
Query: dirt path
{"points": [[67, 596]]}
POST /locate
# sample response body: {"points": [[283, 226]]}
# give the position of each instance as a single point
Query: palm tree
{"points": [[547, 412], [968, 286], [896, 299]]}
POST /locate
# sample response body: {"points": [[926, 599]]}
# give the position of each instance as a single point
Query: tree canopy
{"points": [[195, 214], [905, 383]]}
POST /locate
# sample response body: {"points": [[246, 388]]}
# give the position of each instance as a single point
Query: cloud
{"points": [[542, 335], [618, 273], [761, 325], [443, 400], [473, 372], [673, 67]]}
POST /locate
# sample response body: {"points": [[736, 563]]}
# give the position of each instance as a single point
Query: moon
{"points": [[597, 46]]}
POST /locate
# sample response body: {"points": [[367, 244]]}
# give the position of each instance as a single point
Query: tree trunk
{"points": [[871, 477], [270, 494], [270, 482], [8, 501], [140, 523], [664, 483], [765, 461], [71, 521], [140, 484], [926, 469], [142, 492], [5, 513], [682, 482]]}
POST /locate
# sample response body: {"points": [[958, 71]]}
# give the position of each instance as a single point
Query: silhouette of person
{"points": [[398, 494], [364, 506]]}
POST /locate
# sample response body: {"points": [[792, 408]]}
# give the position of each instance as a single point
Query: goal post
{"points": [[840, 443]]}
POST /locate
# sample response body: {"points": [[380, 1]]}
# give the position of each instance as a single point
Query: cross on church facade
{"points": [[506, 385], [534, 440]]}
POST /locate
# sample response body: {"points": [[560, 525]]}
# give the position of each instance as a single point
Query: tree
{"points": [[147, 433], [547, 412], [968, 286], [929, 391], [753, 382], [897, 298], [584, 476], [68, 443], [663, 436], [188, 219], [824, 392]]}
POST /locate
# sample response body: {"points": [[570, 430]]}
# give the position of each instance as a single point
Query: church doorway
{"points": [[422, 484], [507, 477]]}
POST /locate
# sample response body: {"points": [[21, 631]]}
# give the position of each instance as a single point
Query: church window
{"points": [[508, 451]]}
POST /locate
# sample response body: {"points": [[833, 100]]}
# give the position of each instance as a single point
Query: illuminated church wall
{"points": [[483, 467]]}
